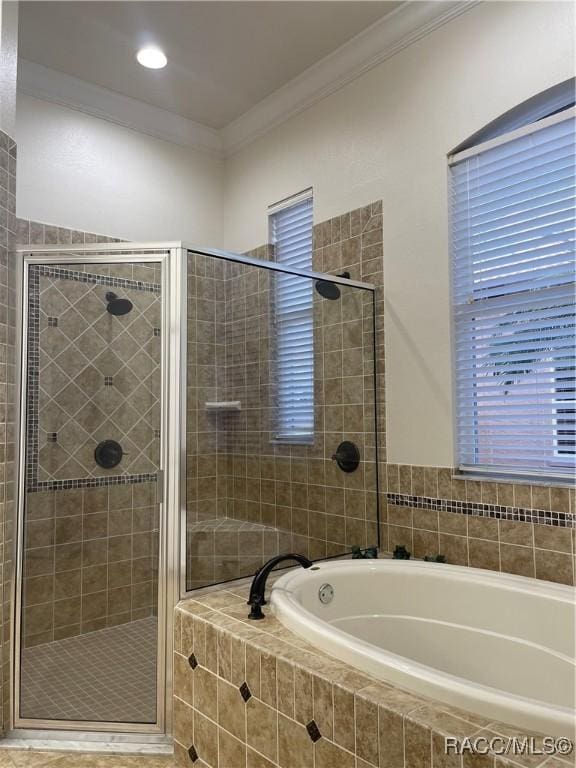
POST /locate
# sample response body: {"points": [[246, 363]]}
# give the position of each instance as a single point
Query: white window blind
{"points": [[513, 224], [291, 235]]}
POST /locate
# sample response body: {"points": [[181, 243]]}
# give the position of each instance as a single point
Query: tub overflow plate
{"points": [[326, 593]]}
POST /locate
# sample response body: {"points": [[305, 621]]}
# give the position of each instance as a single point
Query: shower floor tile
{"points": [[108, 675]]}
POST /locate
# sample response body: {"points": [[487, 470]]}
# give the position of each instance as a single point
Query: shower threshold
{"points": [[87, 742]]}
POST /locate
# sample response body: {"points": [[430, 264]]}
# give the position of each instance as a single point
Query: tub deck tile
{"points": [[386, 726], [393, 699], [443, 722]]}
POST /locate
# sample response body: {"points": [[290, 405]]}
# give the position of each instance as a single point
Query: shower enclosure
{"points": [[184, 415]]}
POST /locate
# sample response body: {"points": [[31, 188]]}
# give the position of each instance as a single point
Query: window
{"points": [[291, 235], [512, 230]]}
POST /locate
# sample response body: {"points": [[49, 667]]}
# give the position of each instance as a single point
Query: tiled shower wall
{"points": [[205, 369], [90, 560], [7, 402], [99, 375], [291, 497], [299, 488], [91, 553]]}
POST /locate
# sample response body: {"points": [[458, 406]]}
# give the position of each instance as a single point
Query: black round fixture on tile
{"points": [[108, 454], [327, 290], [118, 306], [347, 456]]}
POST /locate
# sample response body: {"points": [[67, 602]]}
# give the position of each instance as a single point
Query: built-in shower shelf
{"points": [[224, 406]]}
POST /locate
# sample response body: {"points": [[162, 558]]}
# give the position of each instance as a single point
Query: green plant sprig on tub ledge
{"points": [[401, 553], [371, 553]]}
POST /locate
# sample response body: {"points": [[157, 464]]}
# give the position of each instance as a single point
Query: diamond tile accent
{"points": [[192, 753], [245, 692], [313, 731], [94, 376], [193, 661]]}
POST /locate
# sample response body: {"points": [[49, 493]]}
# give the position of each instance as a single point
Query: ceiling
{"points": [[223, 57]]}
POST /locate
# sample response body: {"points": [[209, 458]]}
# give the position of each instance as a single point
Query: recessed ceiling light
{"points": [[153, 58]]}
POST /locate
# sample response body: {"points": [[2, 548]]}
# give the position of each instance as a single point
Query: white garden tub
{"points": [[498, 645]]}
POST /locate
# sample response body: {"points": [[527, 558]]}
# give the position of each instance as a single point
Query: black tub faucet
{"points": [[258, 586]]}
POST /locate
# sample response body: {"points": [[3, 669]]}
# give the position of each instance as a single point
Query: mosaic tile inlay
{"points": [[495, 511]]}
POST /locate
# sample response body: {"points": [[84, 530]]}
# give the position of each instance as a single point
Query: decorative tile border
{"points": [[33, 380], [496, 511], [94, 482], [33, 376], [88, 277]]}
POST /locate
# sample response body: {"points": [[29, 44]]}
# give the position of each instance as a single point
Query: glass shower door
{"points": [[90, 540]]}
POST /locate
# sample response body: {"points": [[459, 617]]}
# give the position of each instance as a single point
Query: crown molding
{"points": [[409, 23], [49, 85], [383, 39]]}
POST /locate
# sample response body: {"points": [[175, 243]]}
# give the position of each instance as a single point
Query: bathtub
{"points": [[497, 645]]}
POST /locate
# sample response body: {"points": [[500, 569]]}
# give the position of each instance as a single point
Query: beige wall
{"points": [[386, 136], [80, 172], [8, 65]]}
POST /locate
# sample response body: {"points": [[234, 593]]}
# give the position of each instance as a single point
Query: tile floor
{"points": [[33, 759], [108, 675]]}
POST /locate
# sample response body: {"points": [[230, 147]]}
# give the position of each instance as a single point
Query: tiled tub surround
{"points": [[7, 404], [90, 560], [517, 528], [234, 470], [254, 695]]}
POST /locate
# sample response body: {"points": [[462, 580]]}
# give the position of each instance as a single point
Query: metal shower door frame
{"points": [[172, 258]]}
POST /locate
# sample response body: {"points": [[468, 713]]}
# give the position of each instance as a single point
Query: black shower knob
{"points": [[108, 454], [347, 456]]}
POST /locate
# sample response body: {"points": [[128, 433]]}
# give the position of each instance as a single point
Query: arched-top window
{"points": [[512, 198]]}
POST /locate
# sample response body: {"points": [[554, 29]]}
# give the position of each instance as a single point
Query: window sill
{"points": [[514, 479]]}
